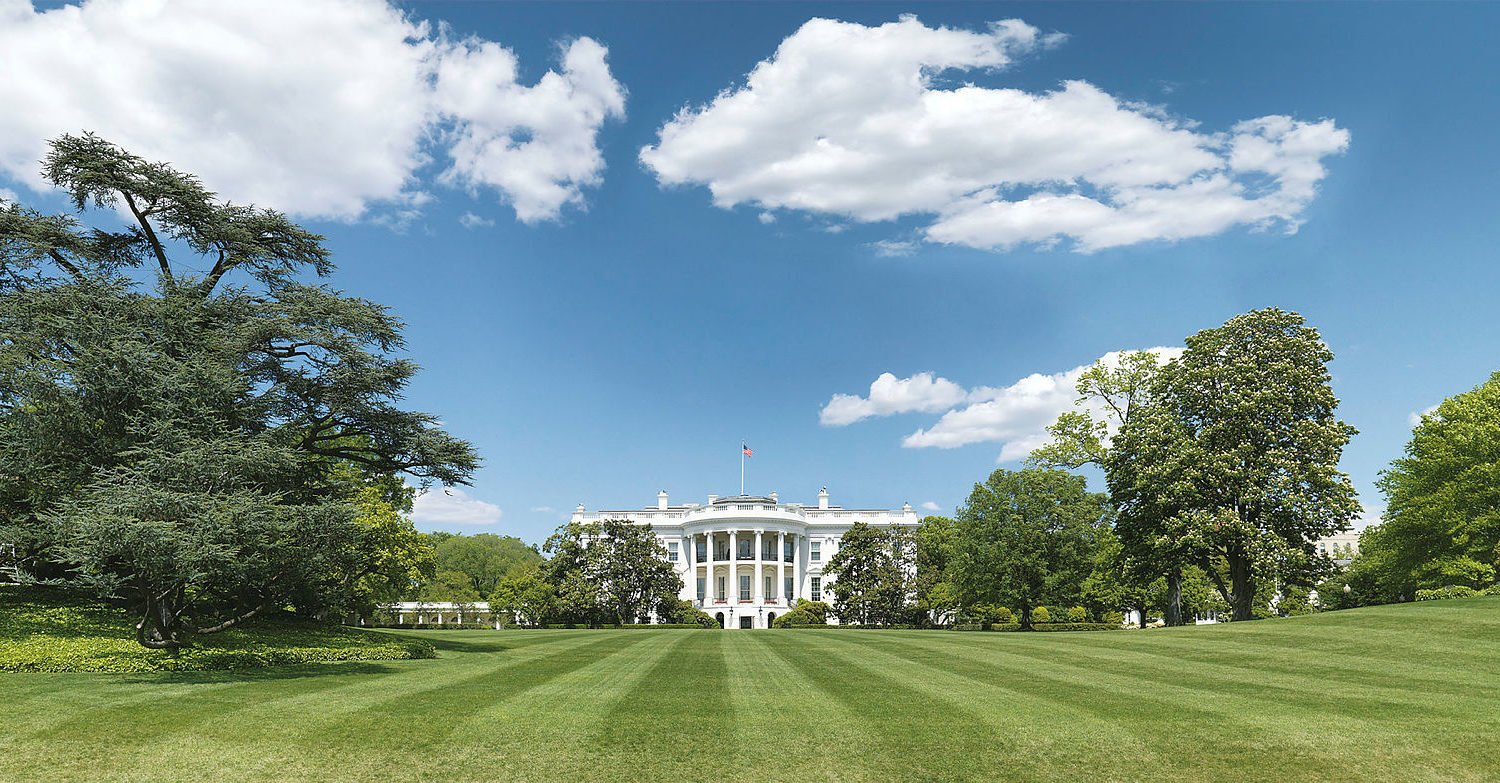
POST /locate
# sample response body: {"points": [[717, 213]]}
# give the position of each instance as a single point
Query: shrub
{"points": [[804, 613], [1076, 627], [1493, 589], [1450, 591], [1114, 619], [1041, 615], [1078, 614]]}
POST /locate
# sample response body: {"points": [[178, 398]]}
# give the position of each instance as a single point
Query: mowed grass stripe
{"points": [[979, 724], [790, 716], [264, 736]]}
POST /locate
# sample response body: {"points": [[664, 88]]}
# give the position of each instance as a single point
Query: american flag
{"points": [[747, 450]]}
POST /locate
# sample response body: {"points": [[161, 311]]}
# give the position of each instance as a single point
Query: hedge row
{"points": [[1456, 591], [969, 627]]}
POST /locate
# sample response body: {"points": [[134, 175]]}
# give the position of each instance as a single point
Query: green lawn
{"points": [[1401, 693]]}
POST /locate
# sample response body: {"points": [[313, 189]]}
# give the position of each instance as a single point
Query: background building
{"points": [[746, 559]]}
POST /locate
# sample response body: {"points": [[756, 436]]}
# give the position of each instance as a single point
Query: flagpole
{"points": [[742, 468]]}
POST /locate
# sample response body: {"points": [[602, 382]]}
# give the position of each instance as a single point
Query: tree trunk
{"points": [[1173, 609], [157, 629], [1025, 617], [1242, 588]]}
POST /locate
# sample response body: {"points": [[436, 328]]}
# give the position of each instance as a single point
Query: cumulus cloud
{"points": [[931, 506], [452, 506], [329, 109], [1016, 415], [890, 395], [858, 122]]}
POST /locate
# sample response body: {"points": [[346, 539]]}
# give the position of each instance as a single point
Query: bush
{"points": [[1493, 589], [804, 613], [1041, 615], [1078, 614], [1451, 591], [1075, 627], [1114, 619]]}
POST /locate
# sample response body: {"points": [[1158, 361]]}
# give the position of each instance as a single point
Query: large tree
{"points": [[1025, 538], [1442, 517], [870, 575], [936, 597], [186, 420], [610, 571], [1109, 392], [1235, 461], [483, 558]]}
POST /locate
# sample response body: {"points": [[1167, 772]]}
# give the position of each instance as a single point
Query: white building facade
{"points": [[747, 559]]}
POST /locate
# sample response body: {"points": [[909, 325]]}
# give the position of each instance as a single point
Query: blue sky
{"points": [[628, 340]]}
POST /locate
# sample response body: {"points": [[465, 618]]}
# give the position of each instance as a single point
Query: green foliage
{"points": [[1233, 466], [1442, 520], [611, 571], [684, 614], [524, 596], [1041, 615], [53, 631], [804, 613], [483, 559], [1077, 614], [199, 449], [869, 575], [936, 597], [1025, 537], [1451, 591]]}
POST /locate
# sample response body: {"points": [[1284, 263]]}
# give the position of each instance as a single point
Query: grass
{"points": [[51, 631], [1398, 693]]}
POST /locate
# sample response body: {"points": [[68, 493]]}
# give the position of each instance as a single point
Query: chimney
{"points": [[661, 500], [823, 498], [712, 498], [775, 498]]}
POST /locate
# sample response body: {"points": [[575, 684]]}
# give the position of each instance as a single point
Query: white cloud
{"points": [[893, 248], [766, 218], [453, 506], [543, 510], [1016, 415], [857, 122], [1415, 417], [890, 395], [471, 220], [329, 109], [931, 506]]}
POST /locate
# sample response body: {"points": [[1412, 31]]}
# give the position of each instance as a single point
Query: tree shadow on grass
{"points": [[269, 674]]}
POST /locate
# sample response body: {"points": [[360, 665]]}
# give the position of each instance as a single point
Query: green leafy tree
{"points": [[936, 597], [485, 558], [524, 596], [610, 571], [1235, 461], [1026, 537], [185, 447], [869, 575], [1441, 525], [1108, 393]]}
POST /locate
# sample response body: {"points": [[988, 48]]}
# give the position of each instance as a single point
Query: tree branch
{"points": [[67, 265], [156, 248], [233, 621]]}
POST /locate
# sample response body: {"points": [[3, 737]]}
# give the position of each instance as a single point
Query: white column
{"points": [[781, 566], [708, 590], [757, 582], [732, 582]]}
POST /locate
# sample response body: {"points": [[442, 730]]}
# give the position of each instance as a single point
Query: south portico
{"points": [[745, 559]]}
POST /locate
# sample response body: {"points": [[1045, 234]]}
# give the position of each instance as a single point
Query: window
{"points": [[702, 587], [786, 550], [770, 586], [768, 549], [787, 589], [817, 588], [672, 551], [702, 550], [721, 593], [816, 554], [744, 587], [745, 544]]}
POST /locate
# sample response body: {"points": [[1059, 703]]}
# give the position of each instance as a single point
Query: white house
{"points": [[747, 559]]}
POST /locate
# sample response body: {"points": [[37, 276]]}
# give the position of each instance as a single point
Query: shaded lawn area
{"points": [[1400, 693], [46, 630]]}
